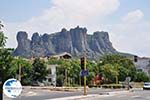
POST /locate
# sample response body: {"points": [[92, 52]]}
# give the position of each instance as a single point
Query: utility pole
{"points": [[80, 80], [19, 68], [66, 83], [85, 76], [83, 70], [19, 78]]}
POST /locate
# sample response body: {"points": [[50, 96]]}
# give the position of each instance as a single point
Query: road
{"points": [[135, 95], [35, 94], [40, 94]]}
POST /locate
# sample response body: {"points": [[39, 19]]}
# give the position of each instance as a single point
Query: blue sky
{"points": [[21, 10], [127, 21]]}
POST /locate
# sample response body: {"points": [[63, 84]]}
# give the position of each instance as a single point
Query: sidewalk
{"points": [[69, 89]]}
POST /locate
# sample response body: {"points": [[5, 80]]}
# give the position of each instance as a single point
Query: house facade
{"points": [[51, 77], [142, 64]]}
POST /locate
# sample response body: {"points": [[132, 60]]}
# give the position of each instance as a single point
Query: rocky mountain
{"points": [[76, 41]]}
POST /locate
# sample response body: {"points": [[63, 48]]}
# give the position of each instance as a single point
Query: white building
{"points": [[51, 78], [142, 64]]}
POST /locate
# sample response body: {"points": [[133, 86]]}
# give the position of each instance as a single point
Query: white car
{"points": [[146, 86]]}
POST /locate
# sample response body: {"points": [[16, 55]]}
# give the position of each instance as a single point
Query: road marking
{"points": [[120, 96], [30, 93], [135, 96]]}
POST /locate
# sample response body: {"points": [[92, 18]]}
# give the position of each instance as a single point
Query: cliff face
{"points": [[75, 41]]}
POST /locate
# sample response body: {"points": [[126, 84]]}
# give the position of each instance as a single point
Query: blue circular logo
{"points": [[12, 88]]}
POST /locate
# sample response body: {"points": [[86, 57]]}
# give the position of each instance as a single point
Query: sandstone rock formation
{"points": [[76, 41]]}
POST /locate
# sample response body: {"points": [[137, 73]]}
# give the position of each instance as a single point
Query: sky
{"points": [[127, 21]]}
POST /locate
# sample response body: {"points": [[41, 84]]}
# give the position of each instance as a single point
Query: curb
{"points": [[91, 96], [118, 92], [75, 97]]}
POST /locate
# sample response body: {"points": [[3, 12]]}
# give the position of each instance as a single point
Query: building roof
{"points": [[62, 54]]}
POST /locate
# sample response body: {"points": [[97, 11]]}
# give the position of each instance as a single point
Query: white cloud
{"points": [[133, 16], [64, 13], [132, 35]]}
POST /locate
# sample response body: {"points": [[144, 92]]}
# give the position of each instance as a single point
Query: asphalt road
{"points": [[39, 94], [35, 94], [135, 95]]}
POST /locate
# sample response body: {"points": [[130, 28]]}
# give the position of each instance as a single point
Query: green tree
{"points": [[64, 70], [68, 71], [109, 73], [39, 70], [142, 77], [24, 68], [120, 66], [5, 61], [1, 25], [65, 64], [74, 72], [2, 40], [92, 70]]}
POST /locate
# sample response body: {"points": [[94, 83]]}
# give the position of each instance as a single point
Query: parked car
{"points": [[146, 86]]}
